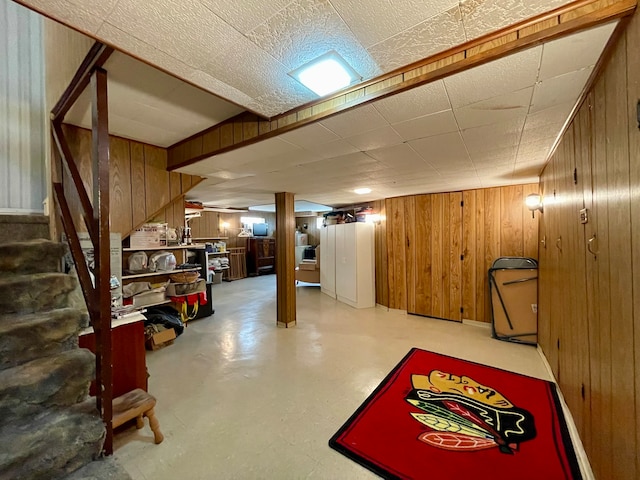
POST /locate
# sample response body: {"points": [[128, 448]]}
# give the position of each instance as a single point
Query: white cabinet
{"points": [[347, 268], [327, 260]]}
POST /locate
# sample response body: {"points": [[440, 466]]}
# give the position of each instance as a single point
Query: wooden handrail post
{"points": [[102, 308]]}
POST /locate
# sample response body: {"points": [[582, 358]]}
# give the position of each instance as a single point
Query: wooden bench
{"points": [[136, 404]]}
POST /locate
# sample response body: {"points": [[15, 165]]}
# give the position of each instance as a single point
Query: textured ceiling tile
{"points": [[280, 100], [382, 19], [556, 90], [379, 138], [417, 102], [401, 158], [484, 16], [306, 29], [353, 122], [242, 15], [151, 54], [222, 89], [184, 30], [508, 74], [556, 114], [508, 107], [427, 126], [575, 51], [333, 149], [314, 134], [68, 12], [427, 38], [440, 150], [490, 137]]}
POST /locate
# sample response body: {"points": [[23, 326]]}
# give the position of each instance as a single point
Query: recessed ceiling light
{"points": [[362, 191], [326, 74]]}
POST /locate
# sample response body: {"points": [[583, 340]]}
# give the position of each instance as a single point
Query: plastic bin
{"points": [[513, 285]]}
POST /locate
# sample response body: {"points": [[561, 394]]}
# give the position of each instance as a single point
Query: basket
{"points": [[184, 277]]}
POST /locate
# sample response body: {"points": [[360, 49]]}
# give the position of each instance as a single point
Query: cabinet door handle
{"points": [[590, 245]]}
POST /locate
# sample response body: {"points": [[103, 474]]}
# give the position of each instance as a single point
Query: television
{"points": [[260, 229]]}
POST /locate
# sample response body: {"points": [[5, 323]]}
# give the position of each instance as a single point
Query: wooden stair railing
{"points": [[95, 215]]}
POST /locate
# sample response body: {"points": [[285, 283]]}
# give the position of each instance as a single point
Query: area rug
{"points": [[439, 417]]}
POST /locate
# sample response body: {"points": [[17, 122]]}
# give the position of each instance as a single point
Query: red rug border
{"points": [[384, 473]]}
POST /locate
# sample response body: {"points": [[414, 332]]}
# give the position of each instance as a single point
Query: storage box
{"points": [[161, 339], [177, 289], [148, 298], [307, 265], [150, 235], [216, 278]]}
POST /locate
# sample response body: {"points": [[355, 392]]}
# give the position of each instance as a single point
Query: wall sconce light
{"points": [[533, 203], [225, 226]]}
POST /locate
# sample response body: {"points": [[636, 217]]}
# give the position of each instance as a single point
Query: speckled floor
{"points": [[239, 398]]}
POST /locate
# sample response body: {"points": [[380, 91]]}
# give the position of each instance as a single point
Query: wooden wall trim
{"points": [[247, 128]]}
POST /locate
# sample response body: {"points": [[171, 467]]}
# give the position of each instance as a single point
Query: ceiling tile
{"points": [[184, 30], [401, 159], [574, 52], [353, 122], [383, 19], [244, 16], [72, 13], [508, 74], [306, 29], [224, 90], [434, 35], [427, 126], [313, 134], [379, 138], [483, 16], [490, 137], [553, 91], [512, 106], [151, 54], [417, 102], [442, 151], [333, 149]]}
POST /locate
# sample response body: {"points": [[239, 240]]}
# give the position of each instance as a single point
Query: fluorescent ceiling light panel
{"points": [[326, 74], [362, 191]]}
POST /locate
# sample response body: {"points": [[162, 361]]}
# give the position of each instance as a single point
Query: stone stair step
{"points": [[35, 293], [55, 381], [31, 256], [102, 469], [50, 445], [26, 337]]}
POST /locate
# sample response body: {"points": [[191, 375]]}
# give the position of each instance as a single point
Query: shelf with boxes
{"points": [[147, 271]]}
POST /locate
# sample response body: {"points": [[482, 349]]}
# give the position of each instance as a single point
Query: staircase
{"points": [[49, 428]]}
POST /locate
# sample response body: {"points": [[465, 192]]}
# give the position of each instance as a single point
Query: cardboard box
{"points": [[307, 265], [161, 339]]}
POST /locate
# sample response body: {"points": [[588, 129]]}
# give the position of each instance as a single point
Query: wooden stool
{"points": [[136, 404]]}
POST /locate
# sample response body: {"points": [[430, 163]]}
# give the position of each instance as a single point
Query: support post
{"points": [[102, 251], [285, 259]]}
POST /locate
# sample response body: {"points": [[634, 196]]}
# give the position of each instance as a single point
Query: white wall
{"points": [[22, 110]]}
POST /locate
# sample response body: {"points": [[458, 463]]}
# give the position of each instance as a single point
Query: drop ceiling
{"points": [[488, 126]]}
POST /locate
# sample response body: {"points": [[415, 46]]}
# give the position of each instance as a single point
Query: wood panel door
{"points": [[434, 255]]}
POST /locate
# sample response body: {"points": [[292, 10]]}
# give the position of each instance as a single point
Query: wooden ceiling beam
{"points": [[248, 128]]}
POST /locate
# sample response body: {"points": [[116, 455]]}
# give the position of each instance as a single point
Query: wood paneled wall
{"points": [[209, 225], [441, 246], [589, 302], [141, 188]]}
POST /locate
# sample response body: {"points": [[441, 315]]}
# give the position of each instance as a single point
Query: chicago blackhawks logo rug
{"points": [[436, 416]]}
